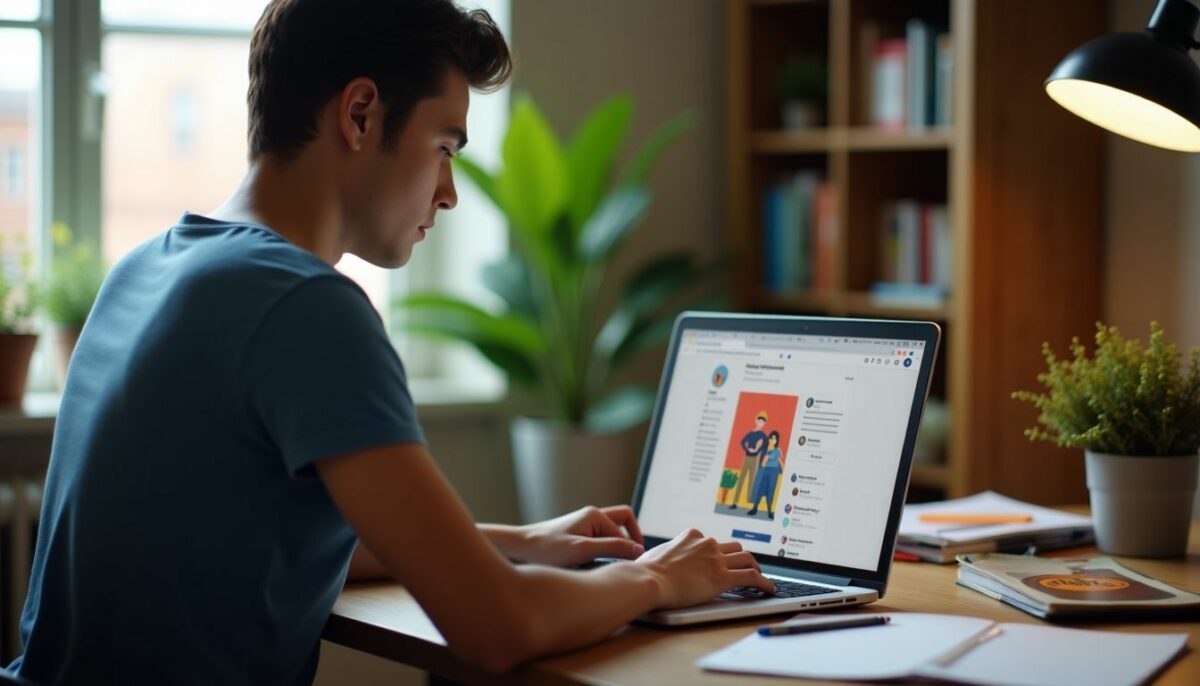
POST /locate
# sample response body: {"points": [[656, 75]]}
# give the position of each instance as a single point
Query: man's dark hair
{"points": [[303, 52]]}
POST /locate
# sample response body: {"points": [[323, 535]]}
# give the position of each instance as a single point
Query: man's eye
{"points": [[447, 152]]}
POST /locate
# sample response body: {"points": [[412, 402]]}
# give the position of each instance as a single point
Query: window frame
{"points": [[73, 90]]}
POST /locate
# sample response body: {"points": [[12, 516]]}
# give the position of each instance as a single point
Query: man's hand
{"points": [[581, 536]]}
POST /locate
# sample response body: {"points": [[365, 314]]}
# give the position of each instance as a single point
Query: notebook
{"points": [[792, 436], [942, 542], [1092, 588], [967, 650]]}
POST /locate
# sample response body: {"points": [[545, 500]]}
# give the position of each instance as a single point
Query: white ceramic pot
{"points": [[1142, 506], [560, 468]]}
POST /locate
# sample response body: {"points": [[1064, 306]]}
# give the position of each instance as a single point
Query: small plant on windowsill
{"points": [[76, 274], [1135, 409], [569, 215], [18, 304]]}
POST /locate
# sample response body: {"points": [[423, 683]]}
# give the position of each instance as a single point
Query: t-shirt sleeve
{"points": [[323, 379]]}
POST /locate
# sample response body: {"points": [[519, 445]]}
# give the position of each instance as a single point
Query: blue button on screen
{"points": [[751, 536]]}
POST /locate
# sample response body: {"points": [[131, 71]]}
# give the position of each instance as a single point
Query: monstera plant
{"points": [[569, 214]]}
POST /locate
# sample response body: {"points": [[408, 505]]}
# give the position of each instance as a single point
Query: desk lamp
{"points": [[1143, 86]]}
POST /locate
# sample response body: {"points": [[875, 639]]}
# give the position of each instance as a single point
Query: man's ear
{"points": [[359, 112]]}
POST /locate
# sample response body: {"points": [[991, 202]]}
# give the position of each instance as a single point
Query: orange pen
{"points": [[953, 518]]}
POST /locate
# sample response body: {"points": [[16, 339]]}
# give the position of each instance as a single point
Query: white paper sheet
{"points": [[987, 502], [1038, 655], [889, 651]]}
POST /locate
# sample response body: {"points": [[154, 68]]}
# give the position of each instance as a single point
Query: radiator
{"points": [[20, 505]]}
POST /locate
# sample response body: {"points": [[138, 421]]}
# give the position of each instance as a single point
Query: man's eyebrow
{"points": [[456, 132]]}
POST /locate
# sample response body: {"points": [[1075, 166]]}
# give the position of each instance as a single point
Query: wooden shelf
{"points": [[930, 475], [863, 138], [784, 142], [849, 304], [1021, 182]]}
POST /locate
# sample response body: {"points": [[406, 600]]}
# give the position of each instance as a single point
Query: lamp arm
{"points": [[1175, 21]]}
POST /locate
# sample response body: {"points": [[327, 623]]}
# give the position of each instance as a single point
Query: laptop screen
{"points": [[786, 443]]}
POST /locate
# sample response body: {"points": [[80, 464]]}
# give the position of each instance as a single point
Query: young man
{"points": [[236, 422]]}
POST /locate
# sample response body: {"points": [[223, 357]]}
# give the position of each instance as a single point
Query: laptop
{"points": [[794, 437]]}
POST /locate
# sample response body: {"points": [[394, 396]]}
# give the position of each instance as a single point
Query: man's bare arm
{"points": [[490, 611]]}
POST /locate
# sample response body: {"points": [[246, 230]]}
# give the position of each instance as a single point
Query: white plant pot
{"points": [[561, 468], [1142, 506]]}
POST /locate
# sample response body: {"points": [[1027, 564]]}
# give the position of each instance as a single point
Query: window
{"points": [[161, 97], [20, 134], [14, 173]]}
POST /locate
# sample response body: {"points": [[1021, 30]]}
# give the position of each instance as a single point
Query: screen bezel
{"points": [[928, 332]]}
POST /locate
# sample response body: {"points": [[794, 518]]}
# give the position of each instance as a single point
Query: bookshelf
{"points": [[1025, 231]]}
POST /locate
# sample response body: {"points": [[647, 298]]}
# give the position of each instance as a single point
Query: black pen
{"points": [[800, 626]]}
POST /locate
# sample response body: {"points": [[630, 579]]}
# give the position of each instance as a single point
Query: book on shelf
{"points": [[911, 77], [915, 254], [941, 542], [800, 230], [1091, 588]]}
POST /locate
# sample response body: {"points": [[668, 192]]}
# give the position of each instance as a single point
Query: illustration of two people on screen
{"points": [[754, 463]]}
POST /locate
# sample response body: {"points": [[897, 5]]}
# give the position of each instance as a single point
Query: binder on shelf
{"points": [[800, 229], [915, 253]]}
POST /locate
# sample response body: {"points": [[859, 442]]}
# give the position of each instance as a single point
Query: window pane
{"points": [[20, 145], [20, 10], [212, 14], [174, 131]]}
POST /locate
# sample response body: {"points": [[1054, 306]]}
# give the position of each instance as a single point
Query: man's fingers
{"points": [[730, 547], [750, 577], [622, 515], [613, 547], [742, 560]]}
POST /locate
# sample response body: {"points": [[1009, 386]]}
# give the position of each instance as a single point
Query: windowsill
{"points": [[435, 400]]}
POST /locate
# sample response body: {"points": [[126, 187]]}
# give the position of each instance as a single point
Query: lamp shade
{"points": [[1143, 86]]}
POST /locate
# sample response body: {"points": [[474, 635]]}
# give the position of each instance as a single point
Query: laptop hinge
{"points": [[807, 576]]}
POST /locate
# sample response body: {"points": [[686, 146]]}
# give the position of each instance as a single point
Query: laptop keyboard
{"points": [[783, 589]]}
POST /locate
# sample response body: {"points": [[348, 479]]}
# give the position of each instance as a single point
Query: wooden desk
{"points": [[383, 619]]}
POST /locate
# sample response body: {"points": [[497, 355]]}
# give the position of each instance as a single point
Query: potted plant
{"points": [[568, 217], [1136, 413], [802, 87], [75, 277], [18, 302]]}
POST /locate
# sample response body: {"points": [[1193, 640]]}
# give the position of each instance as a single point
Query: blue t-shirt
{"points": [[185, 537], [754, 443]]}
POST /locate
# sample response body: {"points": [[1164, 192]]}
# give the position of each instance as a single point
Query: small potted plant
{"points": [[75, 277], [803, 89], [18, 302], [570, 214], [1135, 410]]}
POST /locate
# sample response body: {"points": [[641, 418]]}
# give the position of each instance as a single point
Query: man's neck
{"points": [[294, 200]]}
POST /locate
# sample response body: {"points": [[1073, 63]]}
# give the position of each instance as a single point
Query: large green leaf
{"points": [[509, 278], [620, 410], [591, 153], [649, 153], [647, 291], [454, 317], [480, 177], [613, 220], [515, 364], [532, 189]]}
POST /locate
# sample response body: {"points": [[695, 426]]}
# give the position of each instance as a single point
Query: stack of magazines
{"points": [[1030, 530], [1093, 588]]}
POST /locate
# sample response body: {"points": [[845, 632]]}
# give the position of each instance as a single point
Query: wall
{"points": [[1153, 242]]}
